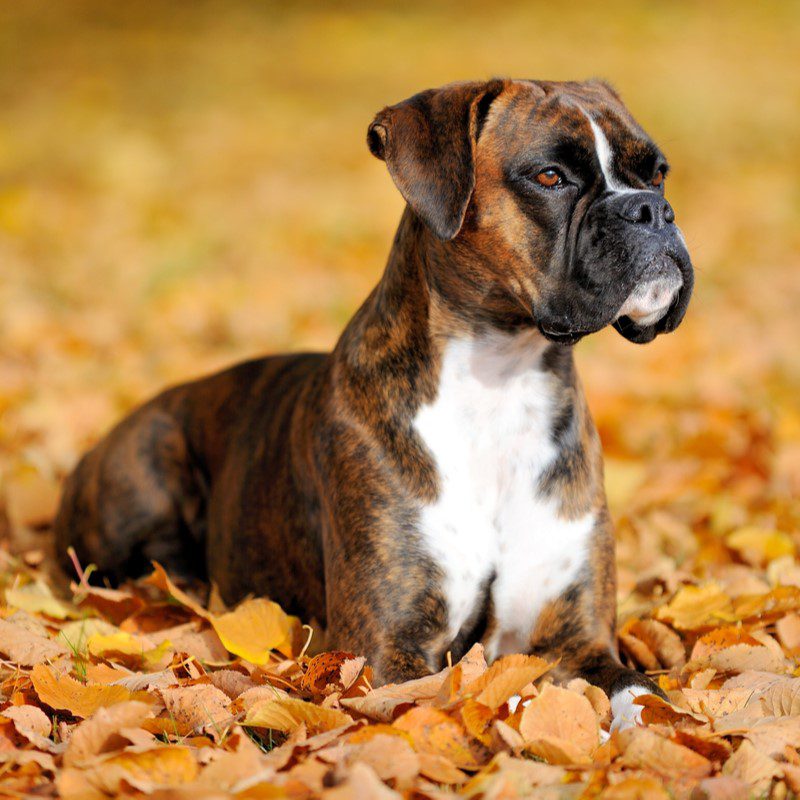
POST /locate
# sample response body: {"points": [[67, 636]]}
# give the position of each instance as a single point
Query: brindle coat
{"points": [[301, 477]]}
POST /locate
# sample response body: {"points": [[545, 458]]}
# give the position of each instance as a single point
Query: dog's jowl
{"points": [[436, 480]]}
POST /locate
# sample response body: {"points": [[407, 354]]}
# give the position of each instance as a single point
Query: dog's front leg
{"points": [[395, 617], [383, 593], [579, 629]]}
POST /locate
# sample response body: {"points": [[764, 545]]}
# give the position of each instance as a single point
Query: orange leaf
{"points": [[436, 733], [81, 700], [560, 716]]}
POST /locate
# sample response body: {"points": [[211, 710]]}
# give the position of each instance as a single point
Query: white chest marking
{"points": [[489, 430]]}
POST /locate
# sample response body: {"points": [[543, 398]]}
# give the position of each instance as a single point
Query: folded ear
{"points": [[428, 144]]}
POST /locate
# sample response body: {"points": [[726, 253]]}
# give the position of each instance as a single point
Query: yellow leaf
{"points": [[77, 634], [622, 479], [254, 628], [250, 631], [119, 642], [288, 713], [64, 692], [759, 546], [693, 607], [36, 598]]}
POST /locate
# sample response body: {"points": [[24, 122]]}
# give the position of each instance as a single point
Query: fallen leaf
{"points": [[643, 749], [162, 581], [32, 724], [759, 546], [25, 647], [788, 629], [198, 708], [36, 597], [694, 607], [434, 732], [287, 713], [361, 784], [560, 726], [636, 788], [100, 733], [254, 629], [507, 677], [145, 770], [81, 700], [751, 767], [391, 757]]}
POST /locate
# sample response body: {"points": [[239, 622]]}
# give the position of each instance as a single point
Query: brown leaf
{"points": [[662, 641], [643, 749], [440, 769], [391, 757], [114, 604], [162, 581], [232, 682], [716, 702], [788, 629], [771, 735], [100, 733], [26, 647], [200, 708], [754, 768], [741, 658], [383, 703], [721, 787], [361, 784], [781, 699], [640, 787], [32, 724], [323, 670]]}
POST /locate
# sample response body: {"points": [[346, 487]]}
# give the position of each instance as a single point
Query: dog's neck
{"points": [[431, 293]]}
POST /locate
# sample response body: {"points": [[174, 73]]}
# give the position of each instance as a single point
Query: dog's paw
{"points": [[624, 711]]}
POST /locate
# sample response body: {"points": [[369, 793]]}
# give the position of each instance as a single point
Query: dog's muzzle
{"points": [[654, 295]]}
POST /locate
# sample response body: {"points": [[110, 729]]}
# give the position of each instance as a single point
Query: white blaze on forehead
{"points": [[605, 155]]}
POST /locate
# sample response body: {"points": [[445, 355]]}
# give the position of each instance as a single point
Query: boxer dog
{"points": [[437, 479]]}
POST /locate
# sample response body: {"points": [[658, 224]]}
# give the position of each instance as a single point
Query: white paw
{"points": [[513, 703], [624, 712]]}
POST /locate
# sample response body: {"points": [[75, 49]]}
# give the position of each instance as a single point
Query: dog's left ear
{"points": [[428, 144]]}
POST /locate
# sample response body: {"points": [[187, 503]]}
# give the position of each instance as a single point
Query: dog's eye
{"points": [[549, 178], [658, 178]]}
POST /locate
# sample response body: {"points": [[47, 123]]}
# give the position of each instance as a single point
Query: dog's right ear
{"points": [[428, 144]]}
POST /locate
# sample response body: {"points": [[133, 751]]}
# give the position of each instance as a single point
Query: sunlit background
{"points": [[185, 184]]}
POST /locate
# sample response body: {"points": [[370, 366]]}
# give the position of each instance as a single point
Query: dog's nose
{"points": [[647, 208]]}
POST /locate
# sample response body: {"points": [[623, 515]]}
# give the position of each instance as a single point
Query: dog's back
{"points": [[168, 483]]}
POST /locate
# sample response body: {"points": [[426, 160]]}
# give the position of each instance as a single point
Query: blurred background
{"points": [[185, 184]]}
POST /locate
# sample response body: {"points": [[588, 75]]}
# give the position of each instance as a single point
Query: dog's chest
{"points": [[490, 432]]}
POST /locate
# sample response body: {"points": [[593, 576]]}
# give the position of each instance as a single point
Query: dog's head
{"points": [[554, 197]]}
